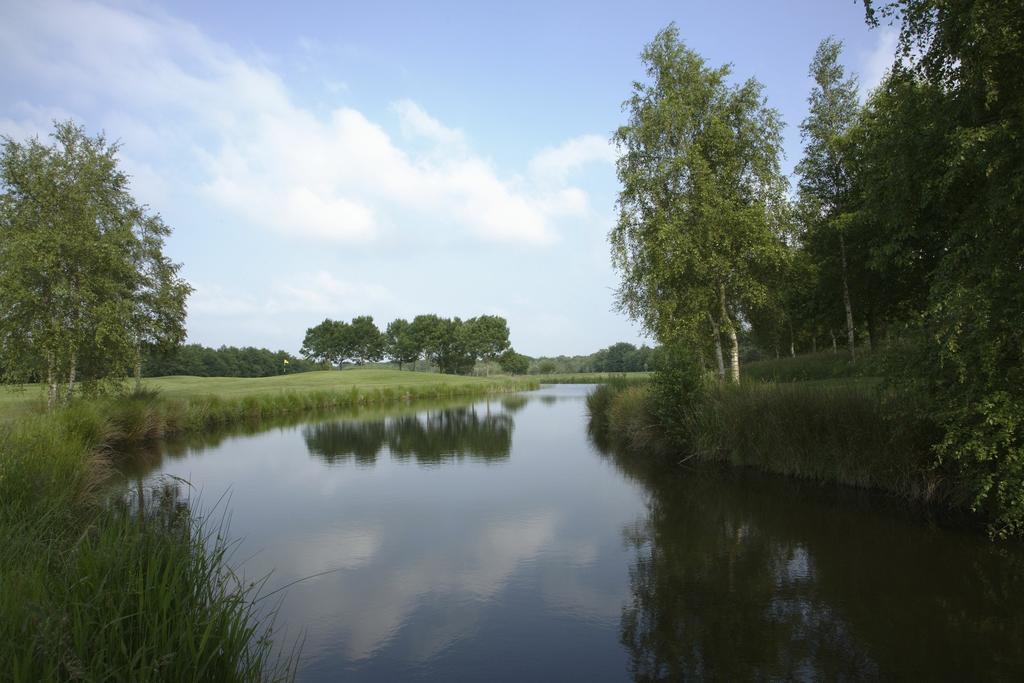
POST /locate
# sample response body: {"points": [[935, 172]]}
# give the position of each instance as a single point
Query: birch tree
{"points": [[702, 199], [825, 181], [83, 280]]}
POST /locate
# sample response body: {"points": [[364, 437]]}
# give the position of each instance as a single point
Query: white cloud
{"points": [[878, 61], [319, 293], [253, 150], [554, 164], [418, 123]]}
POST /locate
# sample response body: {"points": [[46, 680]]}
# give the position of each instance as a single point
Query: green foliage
{"points": [[92, 589], [83, 280], [823, 365], [514, 363], [364, 341], [829, 432], [226, 361], [400, 345], [702, 206], [956, 232]]}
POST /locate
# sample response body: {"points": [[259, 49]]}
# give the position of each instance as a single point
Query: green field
{"points": [[16, 401]]}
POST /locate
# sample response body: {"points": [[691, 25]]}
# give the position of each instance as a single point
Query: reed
{"points": [[835, 432]]}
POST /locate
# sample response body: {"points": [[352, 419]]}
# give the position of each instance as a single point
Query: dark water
{"points": [[495, 541]]}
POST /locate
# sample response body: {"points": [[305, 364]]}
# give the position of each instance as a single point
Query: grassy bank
{"points": [[94, 588], [830, 431]]}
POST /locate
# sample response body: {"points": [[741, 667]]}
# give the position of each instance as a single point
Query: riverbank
{"points": [[834, 431], [90, 588]]}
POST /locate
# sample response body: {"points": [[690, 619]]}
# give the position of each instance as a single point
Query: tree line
{"points": [[226, 361], [453, 345], [619, 357], [904, 230]]}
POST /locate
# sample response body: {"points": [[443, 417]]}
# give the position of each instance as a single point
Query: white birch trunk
{"points": [[717, 332], [846, 301], [72, 372], [730, 330]]}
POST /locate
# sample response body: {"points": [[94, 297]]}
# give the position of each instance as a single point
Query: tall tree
{"points": [[400, 344], [969, 372], [487, 337], [824, 186], [365, 342], [83, 280], [702, 199]]}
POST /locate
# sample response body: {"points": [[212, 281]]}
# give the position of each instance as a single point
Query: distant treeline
{"points": [[620, 357], [226, 361], [453, 345]]}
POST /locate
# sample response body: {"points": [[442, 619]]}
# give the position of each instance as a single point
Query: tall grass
{"points": [[827, 432], [815, 366], [95, 590]]}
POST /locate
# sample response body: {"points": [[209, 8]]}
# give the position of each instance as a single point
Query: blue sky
{"points": [[336, 159]]}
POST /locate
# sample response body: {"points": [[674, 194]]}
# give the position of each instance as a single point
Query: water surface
{"points": [[493, 540]]}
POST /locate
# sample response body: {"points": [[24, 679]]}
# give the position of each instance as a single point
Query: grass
{"points": [[94, 589], [830, 427], [823, 365]]}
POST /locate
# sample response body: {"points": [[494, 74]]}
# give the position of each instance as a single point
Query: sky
{"points": [[334, 159]]}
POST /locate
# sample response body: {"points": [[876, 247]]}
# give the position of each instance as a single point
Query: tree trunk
{"points": [[52, 389], [730, 329], [814, 344], [835, 346], [846, 301], [792, 344], [717, 332], [72, 371], [872, 331], [138, 367]]}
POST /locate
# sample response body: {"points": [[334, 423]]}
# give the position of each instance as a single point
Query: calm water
{"points": [[493, 541]]}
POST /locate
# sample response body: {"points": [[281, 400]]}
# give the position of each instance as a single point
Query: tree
{"points": [[365, 342], [968, 371], [702, 199], [514, 363], [400, 343], [825, 180], [160, 295], [427, 331], [83, 280], [329, 342], [486, 337]]}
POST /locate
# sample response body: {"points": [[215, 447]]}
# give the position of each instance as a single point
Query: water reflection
{"points": [[565, 563], [738, 576], [428, 438]]}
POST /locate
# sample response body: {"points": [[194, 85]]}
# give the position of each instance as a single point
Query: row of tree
{"points": [[84, 284], [226, 361], [619, 357], [906, 222], [451, 344]]}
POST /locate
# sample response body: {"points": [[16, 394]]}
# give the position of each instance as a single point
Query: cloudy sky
{"points": [[343, 158]]}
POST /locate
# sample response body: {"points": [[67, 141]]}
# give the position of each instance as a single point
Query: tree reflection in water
{"points": [[428, 438], [738, 576]]}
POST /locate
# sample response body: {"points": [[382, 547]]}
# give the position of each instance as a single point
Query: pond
{"points": [[493, 540]]}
